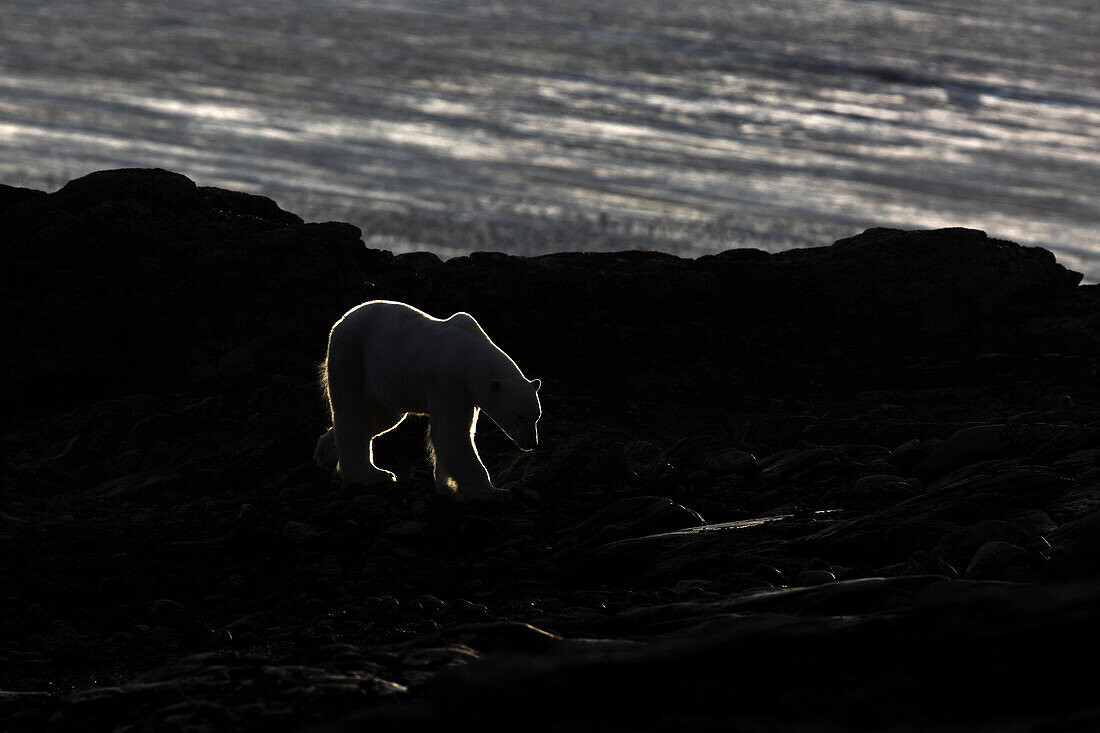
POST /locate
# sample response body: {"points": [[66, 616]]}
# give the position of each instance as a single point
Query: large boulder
{"points": [[744, 317], [139, 280]]}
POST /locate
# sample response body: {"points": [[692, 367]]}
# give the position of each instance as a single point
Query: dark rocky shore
{"points": [[845, 487]]}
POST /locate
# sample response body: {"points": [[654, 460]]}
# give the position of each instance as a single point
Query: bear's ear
{"points": [[536, 383], [494, 385]]}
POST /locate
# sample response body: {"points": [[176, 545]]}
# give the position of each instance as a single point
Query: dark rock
{"points": [[477, 529], [1077, 546], [769, 574], [61, 638], [584, 686], [918, 523], [384, 548], [872, 492], [326, 567], [159, 262], [966, 446], [11, 196], [119, 640], [923, 562], [420, 666], [992, 558], [431, 605], [1032, 521], [159, 372], [460, 609], [909, 454], [199, 636], [732, 461], [245, 531], [791, 465], [1043, 443], [814, 577], [991, 530], [642, 452], [632, 517], [383, 606], [598, 456], [298, 531], [503, 636], [171, 614], [693, 588], [405, 528]]}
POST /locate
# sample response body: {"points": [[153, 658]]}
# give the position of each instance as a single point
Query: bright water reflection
{"points": [[538, 126]]}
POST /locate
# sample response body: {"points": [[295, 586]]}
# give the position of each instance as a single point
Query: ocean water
{"points": [[530, 126]]}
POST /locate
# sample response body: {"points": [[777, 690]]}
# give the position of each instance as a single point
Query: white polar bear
{"points": [[387, 359]]}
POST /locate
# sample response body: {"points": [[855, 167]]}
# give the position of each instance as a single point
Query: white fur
{"points": [[387, 360]]}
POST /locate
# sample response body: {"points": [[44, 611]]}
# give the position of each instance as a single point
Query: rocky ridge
{"points": [[848, 485]]}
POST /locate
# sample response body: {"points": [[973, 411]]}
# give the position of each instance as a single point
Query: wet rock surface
{"points": [[852, 486]]}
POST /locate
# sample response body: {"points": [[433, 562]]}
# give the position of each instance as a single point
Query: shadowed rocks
{"points": [[848, 486], [138, 279]]}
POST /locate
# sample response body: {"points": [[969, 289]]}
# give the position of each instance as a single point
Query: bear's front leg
{"points": [[457, 464]]}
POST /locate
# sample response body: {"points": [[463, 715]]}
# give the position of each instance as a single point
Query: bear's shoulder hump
{"points": [[465, 321]]}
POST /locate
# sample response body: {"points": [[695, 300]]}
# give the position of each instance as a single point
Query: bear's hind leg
{"points": [[325, 452], [354, 430], [444, 483]]}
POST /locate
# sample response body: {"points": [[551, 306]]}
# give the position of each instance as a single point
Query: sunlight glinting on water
{"points": [[691, 127]]}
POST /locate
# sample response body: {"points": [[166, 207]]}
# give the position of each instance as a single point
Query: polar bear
{"points": [[387, 360]]}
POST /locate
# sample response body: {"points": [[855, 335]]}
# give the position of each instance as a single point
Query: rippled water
{"points": [[534, 126]]}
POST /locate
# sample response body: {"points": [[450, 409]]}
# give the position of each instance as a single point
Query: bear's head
{"points": [[513, 404]]}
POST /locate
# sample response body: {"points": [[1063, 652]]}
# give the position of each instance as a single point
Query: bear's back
{"points": [[393, 319], [405, 353], [383, 313]]}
